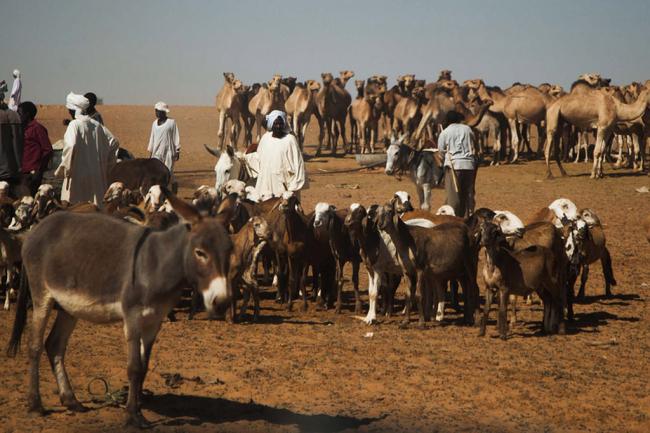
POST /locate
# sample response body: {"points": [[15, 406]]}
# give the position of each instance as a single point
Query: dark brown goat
{"points": [[521, 272]]}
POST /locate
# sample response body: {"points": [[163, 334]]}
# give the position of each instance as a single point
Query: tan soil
{"points": [[317, 371]]}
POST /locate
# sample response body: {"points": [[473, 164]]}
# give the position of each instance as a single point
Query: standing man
{"points": [[456, 143], [164, 142], [11, 148], [16, 90], [37, 147], [281, 167], [89, 153]]}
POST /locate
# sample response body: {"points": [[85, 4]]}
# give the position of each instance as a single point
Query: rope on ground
{"points": [[115, 398]]}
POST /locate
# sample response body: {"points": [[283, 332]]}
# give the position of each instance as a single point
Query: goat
{"points": [[439, 254], [342, 248], [521, 272], [247, 244]]}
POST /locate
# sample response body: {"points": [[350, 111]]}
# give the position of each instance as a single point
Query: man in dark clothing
{"points": [[37, 147], [11, 148]]}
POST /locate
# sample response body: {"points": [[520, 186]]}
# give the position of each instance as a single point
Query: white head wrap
{"points": [[270, 118], [76, 102], [161, 106], [17, 73]]}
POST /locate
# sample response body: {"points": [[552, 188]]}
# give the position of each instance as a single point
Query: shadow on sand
{"points": [[196, 410]]}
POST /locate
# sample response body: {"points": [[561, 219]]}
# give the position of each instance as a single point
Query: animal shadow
{"points": [[614, 300], [196, 410]]}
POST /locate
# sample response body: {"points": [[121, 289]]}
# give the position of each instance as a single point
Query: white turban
{"points": [[161, 106], [75, 102], [17, 73], [270, 118]]}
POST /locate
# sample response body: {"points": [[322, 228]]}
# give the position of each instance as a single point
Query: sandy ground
{"points": [[317, 371]]}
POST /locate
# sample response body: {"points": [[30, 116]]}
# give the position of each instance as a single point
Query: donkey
{"points": [[424, 167], [233, 165], [135, 275]]}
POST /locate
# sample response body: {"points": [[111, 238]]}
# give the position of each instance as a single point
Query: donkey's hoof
{"points": [[36, 409], [137, 420], [75, 406]]}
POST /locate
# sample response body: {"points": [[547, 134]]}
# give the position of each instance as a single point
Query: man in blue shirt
{"points": [[456, 143]]}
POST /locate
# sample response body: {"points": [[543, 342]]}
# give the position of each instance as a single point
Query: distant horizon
{"points": [[137, 53]]}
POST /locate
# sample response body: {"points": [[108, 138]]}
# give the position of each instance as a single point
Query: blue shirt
{"points": [[455, 142]]}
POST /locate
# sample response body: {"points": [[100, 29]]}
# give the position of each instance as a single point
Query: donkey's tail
{"points": [[21, 315]]}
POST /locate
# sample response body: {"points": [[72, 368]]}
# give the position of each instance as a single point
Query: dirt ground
{"points": [[317, 371]]}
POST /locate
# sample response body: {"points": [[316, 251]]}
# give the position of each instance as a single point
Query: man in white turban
{"points": [[164, 141], [16, 90], [89, 152], [281, 166]]}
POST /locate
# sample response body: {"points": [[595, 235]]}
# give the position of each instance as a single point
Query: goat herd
{"points": [[90, 264], [416, 109]]}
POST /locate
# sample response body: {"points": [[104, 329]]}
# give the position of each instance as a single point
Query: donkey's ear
{"points": [[182, 208]]}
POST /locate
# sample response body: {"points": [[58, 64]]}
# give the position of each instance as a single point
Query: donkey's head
{"points": [[207, 256]]}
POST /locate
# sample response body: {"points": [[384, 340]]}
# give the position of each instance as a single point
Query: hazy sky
{"points": [[141, 51]]}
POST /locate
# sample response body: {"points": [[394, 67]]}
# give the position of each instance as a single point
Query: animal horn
{"points": [[212, 150]]}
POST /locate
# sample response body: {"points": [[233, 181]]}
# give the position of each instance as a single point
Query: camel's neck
{"points": [[630, 112], [495, 96]]}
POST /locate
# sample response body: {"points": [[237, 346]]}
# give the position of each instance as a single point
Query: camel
{"points": [[487, 130], [300, 106], [445, 74], [407, 113], [332, 101], [590, 108], [527, 106], [365, 112], [267, 99], [229, 106]]}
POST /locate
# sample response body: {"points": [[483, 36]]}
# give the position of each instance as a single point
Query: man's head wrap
{"points": [[273, 115]]}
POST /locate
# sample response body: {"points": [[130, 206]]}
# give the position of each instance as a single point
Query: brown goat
{"points": [[521, 272], [247, 244], [437, 255]]}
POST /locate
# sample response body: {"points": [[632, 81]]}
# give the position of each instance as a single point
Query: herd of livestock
{"points": [[133, 258], [502, 119]]}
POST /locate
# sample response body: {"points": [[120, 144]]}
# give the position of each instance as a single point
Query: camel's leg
{"points": [[222, 125], [426, 196], [637, 156], [550, 148], [601, 139], [619, 157], [420, 192], [234, 132], [515, 139], [55, 346], [343, 137], [41, 313]]}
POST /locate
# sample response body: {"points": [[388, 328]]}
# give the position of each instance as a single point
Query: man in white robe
{"points": [[281, 166], [164, 141], [16, 90], [89, 153]]}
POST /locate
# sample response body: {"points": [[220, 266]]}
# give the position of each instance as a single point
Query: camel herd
{"points": [[415, 109]]}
